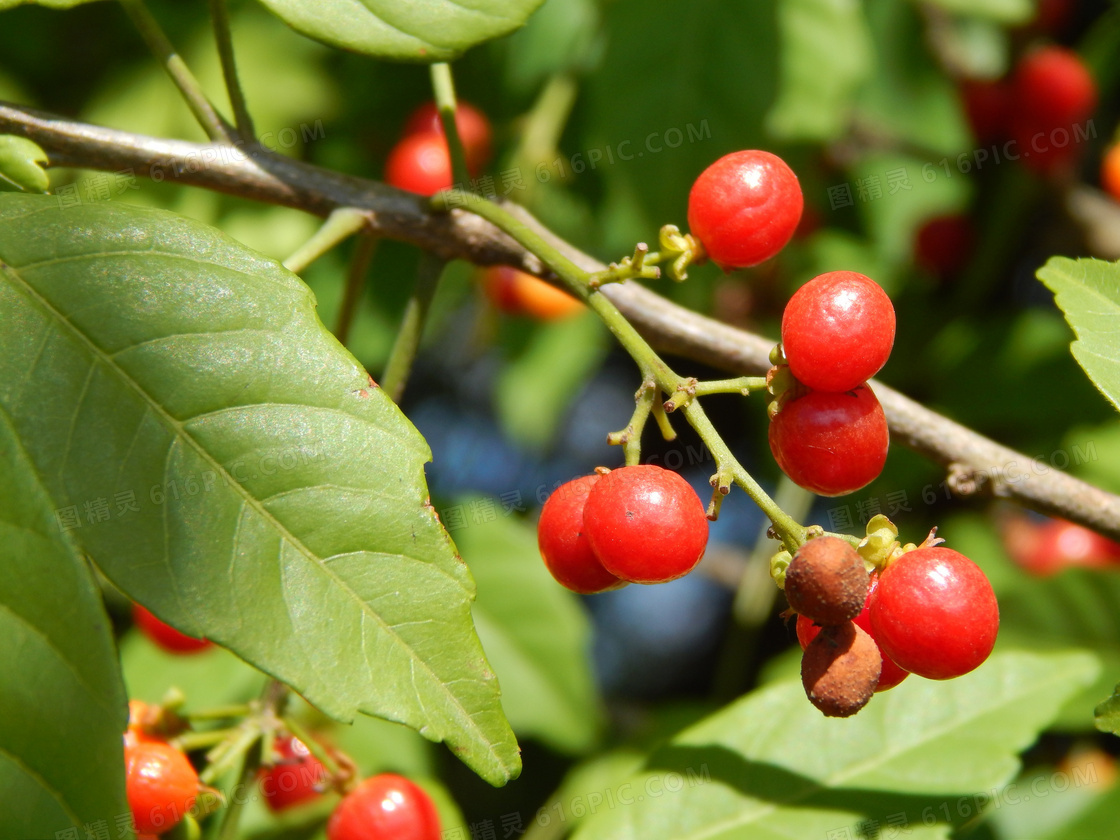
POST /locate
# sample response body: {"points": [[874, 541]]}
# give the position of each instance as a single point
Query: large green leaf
{"points": [[21, 164], [771, 766], [61, 764], [826, 53], [1005, 11], [1088, 292], [436, 30], [1108, 713], [534, 631], [234, 469]]}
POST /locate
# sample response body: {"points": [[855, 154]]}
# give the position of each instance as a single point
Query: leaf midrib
{"points": [[12, 271]]}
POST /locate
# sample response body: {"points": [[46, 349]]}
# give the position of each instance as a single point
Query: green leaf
{"points": [[1108, 713], [826, 54], [437, 30], [534, 631], [770, 765], [63, 702], [235, 470], [1004, 11], [1088, 292], [21, 164], [533, 392]]}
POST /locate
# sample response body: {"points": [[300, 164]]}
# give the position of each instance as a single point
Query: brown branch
{"points": [[974, 463]]}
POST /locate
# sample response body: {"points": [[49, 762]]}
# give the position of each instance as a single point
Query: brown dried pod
{"points": [[840, 669], [826, 581]]}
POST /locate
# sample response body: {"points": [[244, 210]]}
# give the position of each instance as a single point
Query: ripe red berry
{"points": [[1110, 171], [744, 208], [1047, 548], [934, 613], [944, 244], [831, 443], [160, 783], [1053, 94], [563, 540], [166, 636], [645, 524], [385, 807], [473, 127], [295, 776], [420, 163], [837, 331], [890, 674]]}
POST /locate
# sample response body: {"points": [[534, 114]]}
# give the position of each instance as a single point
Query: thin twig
{"points": [[252, 172], [403, 354], [355, 283], [212, 123], [219, 15]]}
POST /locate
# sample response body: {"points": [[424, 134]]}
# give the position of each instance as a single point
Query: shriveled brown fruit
{"points": [[840, 670], [826, 581]]}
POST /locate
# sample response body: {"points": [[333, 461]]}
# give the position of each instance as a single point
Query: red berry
{"points": [[385, 807], [420, 163], [1053, 94], [744, 208], [890, 675], [1110, 171], [294, 777], [563, 540], [944, 244], [474, 130], [988, 105], [831, 443], [837, 331], [645, 524], [166, 636], [160, 783], [1052, 546], [934, 613]]}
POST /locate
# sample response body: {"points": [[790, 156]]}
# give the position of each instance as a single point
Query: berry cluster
{"points": [[1048, 97], [421, 162], [930, 612], [828, 432], [637, 524], [160, 783]]}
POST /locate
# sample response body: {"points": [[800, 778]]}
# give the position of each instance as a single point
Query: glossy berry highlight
{"points": [[160, 783], [934, 613], [744, 208], [645, 524], [385, 807], [890, 674], [166, 636], [295, 777], [838, 331], [563, 541], [831, 443]]}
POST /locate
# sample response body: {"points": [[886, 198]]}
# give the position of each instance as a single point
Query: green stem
{"points": [[443, 85], [219, 15], [236, 710], [355, 283], [190, 741], [630, 438], [248, 734], [651, 365], [399, 366], [212, 123], [340, 225], [232, 818], [742, 385], [545, 122]]}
